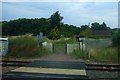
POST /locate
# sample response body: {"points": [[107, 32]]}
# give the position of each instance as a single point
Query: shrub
{"points": [[25, 46], [54, 34], [116, 39]]}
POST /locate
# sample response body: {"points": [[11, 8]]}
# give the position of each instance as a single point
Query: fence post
{"points": [[53, 47], [66, 49]]}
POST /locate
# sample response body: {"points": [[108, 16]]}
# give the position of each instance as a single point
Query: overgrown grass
{"points": [[25, 46], [62, 40], [79, 55], [99, 50], [104, 55]]}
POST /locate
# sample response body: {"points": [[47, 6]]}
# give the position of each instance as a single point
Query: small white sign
{"points": [[80, 38], [3, 39]]}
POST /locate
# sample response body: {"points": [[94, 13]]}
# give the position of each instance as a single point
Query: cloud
{"points": [[60, 0], [76, 13]]}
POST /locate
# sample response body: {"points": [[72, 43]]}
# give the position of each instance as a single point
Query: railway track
{"points": [[101, 67], [13, 63], [93, 70]]}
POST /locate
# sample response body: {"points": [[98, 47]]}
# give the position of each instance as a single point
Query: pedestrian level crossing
{"points": [[46, 70]]}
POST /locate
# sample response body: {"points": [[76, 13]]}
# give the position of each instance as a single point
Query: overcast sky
{"points": [[74, 13]]}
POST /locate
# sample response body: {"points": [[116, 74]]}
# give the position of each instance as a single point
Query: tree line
{"points": [[47, 26]]}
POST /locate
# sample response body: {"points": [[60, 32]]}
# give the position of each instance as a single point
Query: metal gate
{"points": [[60, 48]]}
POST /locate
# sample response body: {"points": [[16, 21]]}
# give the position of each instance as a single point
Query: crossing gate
{"points": [[60, 48]]}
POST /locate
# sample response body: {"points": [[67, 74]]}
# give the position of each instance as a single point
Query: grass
{"points": [[62, 40], [66, 41], [25, 46], [104, 55], [79, 55], [99, 50]]}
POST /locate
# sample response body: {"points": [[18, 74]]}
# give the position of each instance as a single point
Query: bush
{"points": [[116, 42], [54, 34], [25, 46], [116, 39]]}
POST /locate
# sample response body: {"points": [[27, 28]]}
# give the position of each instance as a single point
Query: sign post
{"points": [[40, 38]]}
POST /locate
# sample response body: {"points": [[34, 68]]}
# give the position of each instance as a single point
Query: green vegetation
{"points": [[56, 31], [116, 42], [97, 26], [66, 41], [55, 20], [104, 55], [24, 26], [63, 40], [116, 39], [54, 34], [79, 55], [87, 32], [99, 50], [25, 46]]}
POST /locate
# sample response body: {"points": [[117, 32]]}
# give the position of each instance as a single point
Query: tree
{"points": [[55, 19], [104, 25], [68, 34], [95, 26], [86, 33], [84, 27], [54, 34], [35, 26], [23, 26]]}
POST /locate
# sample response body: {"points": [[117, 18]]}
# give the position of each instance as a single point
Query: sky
{"points": [[74, 13]]}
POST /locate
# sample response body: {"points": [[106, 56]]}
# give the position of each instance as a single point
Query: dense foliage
{"points": [[35, 26], [54, 34], [23, 26], [55, 20], [87, 32], [25, 46], [97, 26]]}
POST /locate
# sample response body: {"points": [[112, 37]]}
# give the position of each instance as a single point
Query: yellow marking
{"points": [[51, 71]]}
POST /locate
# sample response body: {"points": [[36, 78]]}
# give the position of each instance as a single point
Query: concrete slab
{"points": [[41, 76], [50, 71]]}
